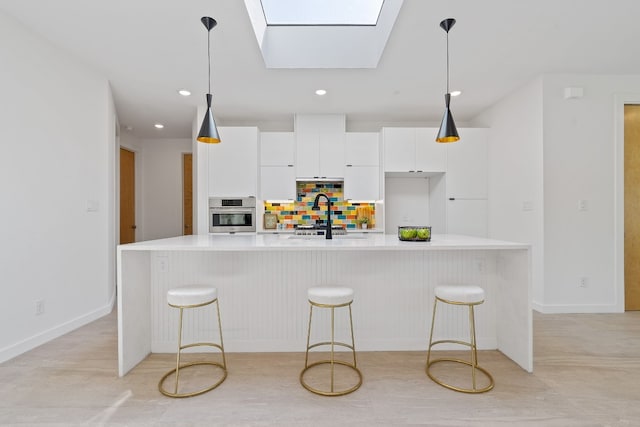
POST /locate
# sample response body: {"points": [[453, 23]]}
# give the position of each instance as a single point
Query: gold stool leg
{"points": [[473, 364], [474, 353], [433, 322], [179, 367], [224, 358], [306, 354], [175, 390], [353, 341], [332, 360]]}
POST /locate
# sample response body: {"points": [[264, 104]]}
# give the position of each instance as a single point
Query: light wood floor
{"points": [[586, 373]]}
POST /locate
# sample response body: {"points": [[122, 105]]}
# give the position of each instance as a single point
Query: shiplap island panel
{"points": [[262, 282]]}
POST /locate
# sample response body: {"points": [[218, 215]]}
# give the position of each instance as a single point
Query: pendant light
{"points": [[448, 131], [208, 130]]}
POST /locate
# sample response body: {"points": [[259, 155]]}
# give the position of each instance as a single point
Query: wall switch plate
{"points": [[527, 205], [582, 282], [39, 307], [582, 205]]}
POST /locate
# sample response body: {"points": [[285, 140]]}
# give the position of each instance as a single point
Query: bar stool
{"points": [[469, 296], [330, 297], [192, 297]]}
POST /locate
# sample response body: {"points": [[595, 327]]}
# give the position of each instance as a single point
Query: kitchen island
{"points": [[262, 283]]}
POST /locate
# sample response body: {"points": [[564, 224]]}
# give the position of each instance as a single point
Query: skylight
{"points": [[321, 12]]}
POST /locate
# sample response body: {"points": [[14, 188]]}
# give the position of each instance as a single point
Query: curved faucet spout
{"points": [[317, 207]]}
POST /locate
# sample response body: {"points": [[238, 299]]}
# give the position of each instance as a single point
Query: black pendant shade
{"points": [[208, 131], [448, 131]]}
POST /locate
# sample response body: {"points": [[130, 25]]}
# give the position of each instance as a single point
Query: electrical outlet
{"points": [[163, 264], [39, 307], [582, 282]]}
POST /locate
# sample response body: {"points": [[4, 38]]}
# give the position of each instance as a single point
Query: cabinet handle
{"points": [[289, 166], [411, 171], [452, 198], [418, 171], [349, 166]]}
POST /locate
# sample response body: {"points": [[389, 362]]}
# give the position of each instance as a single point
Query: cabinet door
{"points": [[362, 149], [468, 217], [399, 149], [320, 146], [467, 165], [277, 148], [233, 164], [430, 155], [278, 183], [307, 163], [331, 153], [362, 182]]}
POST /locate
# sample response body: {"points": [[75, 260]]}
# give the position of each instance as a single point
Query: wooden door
{"points": [[187, 193], [632, 207], [127, 197]]}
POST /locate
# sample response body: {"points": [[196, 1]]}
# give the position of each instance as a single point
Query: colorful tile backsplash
{"points": [[299, 212]]}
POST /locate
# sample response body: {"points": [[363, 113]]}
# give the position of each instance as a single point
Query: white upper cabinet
{"points": [[431, 156], [413, 150], [362, 171], [467, 165], [277, 148], [362, 148], [277, 183], [320, 146], [399, 149], [362, 183], [277, 169], [233, 163]]}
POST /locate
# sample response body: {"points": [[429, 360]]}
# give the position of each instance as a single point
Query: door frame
{"points": [[137, 189], [182, 157], [620, 100]]}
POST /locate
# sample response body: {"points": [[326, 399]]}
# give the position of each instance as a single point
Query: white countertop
{"points": [[260, 242]]}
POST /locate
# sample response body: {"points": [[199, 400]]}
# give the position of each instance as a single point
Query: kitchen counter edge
{"points": [[261, 242]]}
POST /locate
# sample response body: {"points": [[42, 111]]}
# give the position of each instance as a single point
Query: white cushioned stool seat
{"points": [[463, 294], [330, 295], [191, 295]]}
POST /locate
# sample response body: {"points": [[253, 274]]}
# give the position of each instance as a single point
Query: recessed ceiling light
{"points": [[184, 92], [159, 125], [321, 92], [456, 93]]}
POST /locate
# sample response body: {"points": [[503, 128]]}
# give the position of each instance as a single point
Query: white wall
{"points": [[515, 174], [571, 154], [58, 156], [580, 164], [162, 187]]}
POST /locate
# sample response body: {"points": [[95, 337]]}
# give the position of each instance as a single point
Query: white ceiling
{"points": [[148, 49]]}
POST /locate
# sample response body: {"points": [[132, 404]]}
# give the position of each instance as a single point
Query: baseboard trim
{"points": [[43, 337], [575, 308]]}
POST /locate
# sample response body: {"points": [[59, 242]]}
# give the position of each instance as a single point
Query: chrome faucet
{"points": [[316, 208]]}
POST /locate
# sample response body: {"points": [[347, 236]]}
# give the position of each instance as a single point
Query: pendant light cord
{"points": [[209, 57], [447, 61]]}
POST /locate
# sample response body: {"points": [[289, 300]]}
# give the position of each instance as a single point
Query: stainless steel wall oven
{"points": [[232, 214]]}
